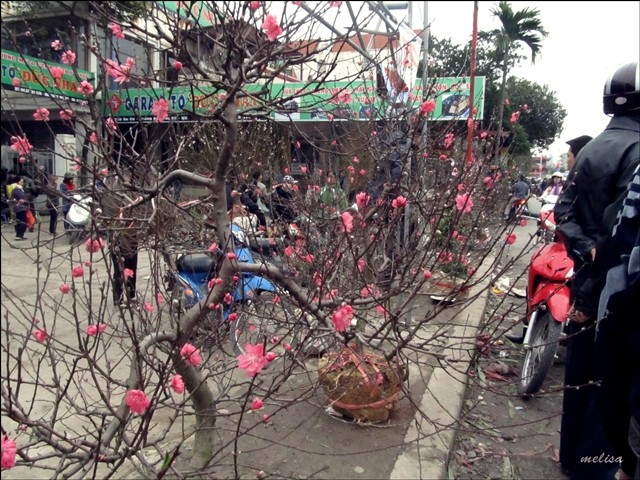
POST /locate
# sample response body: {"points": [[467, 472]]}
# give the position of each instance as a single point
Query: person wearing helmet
{"points": [[586, 212], [553, 191]]}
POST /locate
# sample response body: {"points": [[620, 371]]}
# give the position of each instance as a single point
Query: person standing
{"points": [[53, 203], [595, 187], [20, 207], [66, 188]]}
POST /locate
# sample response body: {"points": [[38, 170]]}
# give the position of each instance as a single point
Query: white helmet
{"points": [[557, 174]]}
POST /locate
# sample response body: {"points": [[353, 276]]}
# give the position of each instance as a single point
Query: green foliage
{"points": [[541, 122]]}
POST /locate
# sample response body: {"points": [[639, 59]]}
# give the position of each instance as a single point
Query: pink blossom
{"points": [[21, 145], [128, 273], [483, 135], [148, 307], [64, 288], [488, 181], [270, 356], [265, 419], [69, 57], [41, 335], [362, 199], [329, 116], [66, 114], [41, 114], [399, 202], [335, 4], [190, 354], [461, 187], [510, 239], [297, 3], [177, 384], [308, 259], [56, 45], [160, 299], [228, 298], [515, 116], [448, 140], [57, 72], [9, 450], [271, 27], [445, 257], [137, 401], [231, 256], [255, 5], [160, 109], [347, 222], [213, 247], [427, 274], [93, 330], [506, 101], [77, 272], [523, 222], [464, 203], [93, 245], [351, 169], [177, 65], [361, 264], [427, 107], [111, 125], [254, 360], [525, 107], [116, 30], [85, 88], [233, 317], [341, 318], [288, 251], [257, 404], [16, 82]]}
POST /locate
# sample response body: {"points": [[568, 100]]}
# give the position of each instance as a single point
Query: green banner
{"points": [[130, 104], [197, 13], [311, 102], [34, 77]]}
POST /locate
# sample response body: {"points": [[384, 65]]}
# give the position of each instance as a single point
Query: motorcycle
{"points": [[254, 311], [548, 303]]}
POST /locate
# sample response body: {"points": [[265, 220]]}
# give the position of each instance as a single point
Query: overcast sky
{"points": [[586, 42]]}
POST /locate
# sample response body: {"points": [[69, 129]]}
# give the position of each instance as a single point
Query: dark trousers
{"points": [[53, 218], [21, 223], [124, 288], [615, 366], [582, 435], [67, 225]]}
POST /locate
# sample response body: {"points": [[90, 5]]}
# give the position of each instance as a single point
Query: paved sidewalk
{"points": [[412, 447]]}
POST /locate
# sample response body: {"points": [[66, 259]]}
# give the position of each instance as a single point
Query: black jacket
{"points": [[587, 208]]}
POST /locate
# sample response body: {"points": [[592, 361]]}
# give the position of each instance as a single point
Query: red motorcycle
{"points": [[548, 303]]}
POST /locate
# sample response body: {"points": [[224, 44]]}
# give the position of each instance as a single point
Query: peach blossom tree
{"points": [[91, 388]]}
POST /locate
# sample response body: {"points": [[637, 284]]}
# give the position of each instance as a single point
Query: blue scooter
{"points": [[254, 312]]}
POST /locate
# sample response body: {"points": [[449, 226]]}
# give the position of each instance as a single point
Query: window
{"points": [[34, 38], [121, 49]]}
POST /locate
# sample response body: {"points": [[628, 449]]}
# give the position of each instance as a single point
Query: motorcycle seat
{"points": [[195, 263]]}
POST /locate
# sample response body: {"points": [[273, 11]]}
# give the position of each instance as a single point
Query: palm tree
{"points": [[523, 26]]}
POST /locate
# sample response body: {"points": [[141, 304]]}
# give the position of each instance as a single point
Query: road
{"points": [[502, 435]]}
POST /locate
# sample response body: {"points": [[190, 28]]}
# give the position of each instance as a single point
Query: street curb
{"points": [[431, 437]]}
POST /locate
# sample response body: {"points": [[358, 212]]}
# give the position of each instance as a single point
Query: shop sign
{"points": [[34, 77]]}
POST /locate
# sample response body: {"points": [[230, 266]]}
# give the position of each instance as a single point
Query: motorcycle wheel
{"points": [[266, 319], [539, 356]]}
